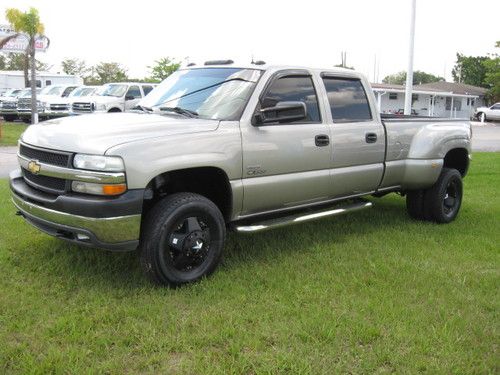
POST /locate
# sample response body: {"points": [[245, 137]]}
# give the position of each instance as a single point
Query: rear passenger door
{"points": [[358, 138], [284, 164]]}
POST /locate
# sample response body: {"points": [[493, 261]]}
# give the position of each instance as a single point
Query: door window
{"points": [[147, 89], [134, 92], [294, 89], [347, 99]]}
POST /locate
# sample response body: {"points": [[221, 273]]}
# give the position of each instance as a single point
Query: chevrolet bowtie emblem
{"points": [[34, 167]]}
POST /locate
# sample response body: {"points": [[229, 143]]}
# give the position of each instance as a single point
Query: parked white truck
{"points": [[8, 104], [51, 103], [247, 148], [113, 97]]}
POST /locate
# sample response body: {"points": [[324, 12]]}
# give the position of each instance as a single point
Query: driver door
{"points": [[286, 164]]}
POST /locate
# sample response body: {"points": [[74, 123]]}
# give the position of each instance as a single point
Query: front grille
{"points": [[59, 107], [81, 107], [45, 183], [9, 105], [48, 157], [24, 103]]}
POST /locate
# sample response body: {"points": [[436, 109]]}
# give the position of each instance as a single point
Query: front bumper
{"points": [[6, 111], [108, 223]]}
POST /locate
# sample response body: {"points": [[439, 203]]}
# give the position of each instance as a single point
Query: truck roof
{"points": [[270, 67]]}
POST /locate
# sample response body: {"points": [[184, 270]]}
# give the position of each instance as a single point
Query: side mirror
{"points": [[282, 112], [129, 97]]}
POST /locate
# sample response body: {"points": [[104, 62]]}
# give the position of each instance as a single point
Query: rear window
{"points": [[347, 99]]}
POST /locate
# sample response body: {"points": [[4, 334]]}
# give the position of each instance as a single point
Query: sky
{"points": [[310, 33]]}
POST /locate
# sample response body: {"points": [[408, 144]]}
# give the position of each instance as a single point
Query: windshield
{"points": [[27, 92], [11, 93], [52, 90], [211, 93], [82, 91], [112, 90]]}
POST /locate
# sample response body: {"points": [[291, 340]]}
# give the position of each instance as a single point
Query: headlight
{"points": [[98, 189], [99, 163], [99, 107]]}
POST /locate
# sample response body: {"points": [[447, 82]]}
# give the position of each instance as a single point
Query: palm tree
{"points": [[28, 23]]}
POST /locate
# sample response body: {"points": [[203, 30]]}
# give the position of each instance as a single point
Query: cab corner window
{"points": [[347, 99], [293, 89]]}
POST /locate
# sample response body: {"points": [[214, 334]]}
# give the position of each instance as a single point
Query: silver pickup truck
{"points": [[221, 146]]}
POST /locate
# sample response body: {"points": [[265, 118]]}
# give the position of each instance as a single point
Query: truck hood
{"points": [[99, 99], [51, 99], [96, 133]]}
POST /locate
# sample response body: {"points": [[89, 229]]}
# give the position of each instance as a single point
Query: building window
{"points": [[393, 96], [48, 82], [414, 98], [457, 104], [37, 82], [470, 102]]}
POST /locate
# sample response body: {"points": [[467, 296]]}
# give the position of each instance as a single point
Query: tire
{"points": [[9, 118], [415, 204], [114, 110], [442, 201], [182, 239]]}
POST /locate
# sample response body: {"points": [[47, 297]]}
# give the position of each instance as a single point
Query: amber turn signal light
{"points": [[115, 189]]}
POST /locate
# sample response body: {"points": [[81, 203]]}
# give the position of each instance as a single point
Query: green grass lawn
{"points": [[369, 292], [11, 131]]}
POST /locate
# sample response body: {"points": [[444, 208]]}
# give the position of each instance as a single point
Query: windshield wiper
{"points": [[202, 89], [181, 111], [143, 108]]}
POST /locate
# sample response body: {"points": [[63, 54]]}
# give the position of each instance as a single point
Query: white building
{"points": [[14, 79], [440, 99]]}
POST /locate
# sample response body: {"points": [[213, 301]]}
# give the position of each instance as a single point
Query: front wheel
{"points": [[182, 240]]}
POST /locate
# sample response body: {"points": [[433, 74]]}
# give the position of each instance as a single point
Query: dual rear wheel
{"points": [[439, 203]]}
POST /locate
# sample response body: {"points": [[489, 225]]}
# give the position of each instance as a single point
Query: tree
{"points": [[492, 76], [470, 70], [77, 67], [28, 23], [419, 78], [163, 68], [109, 72], [20, 61]]}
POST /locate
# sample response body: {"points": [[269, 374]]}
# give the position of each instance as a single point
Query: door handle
{"points": [[371, 137], [322, 140]]}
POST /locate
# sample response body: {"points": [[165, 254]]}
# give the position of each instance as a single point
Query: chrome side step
{"points": [[303, 217]]}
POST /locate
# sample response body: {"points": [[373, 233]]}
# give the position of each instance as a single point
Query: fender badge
{"points": [[34, 167]]}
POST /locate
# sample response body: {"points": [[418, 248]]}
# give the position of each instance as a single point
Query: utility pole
{"points": [[409, 73]]}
